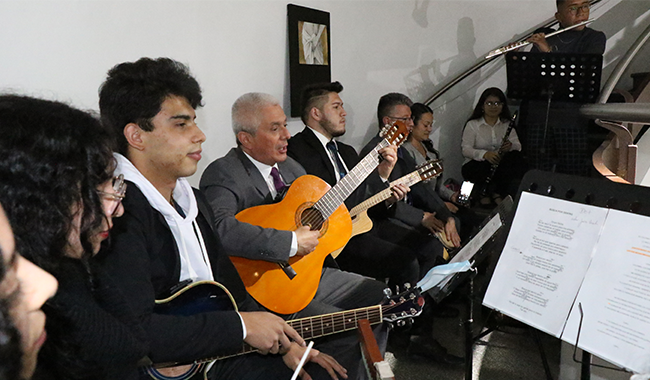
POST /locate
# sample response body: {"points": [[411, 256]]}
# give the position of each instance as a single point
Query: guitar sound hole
{"points": [[312, 218]]}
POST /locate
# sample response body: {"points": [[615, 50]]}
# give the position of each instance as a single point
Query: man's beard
{"points": [[328, 126]]}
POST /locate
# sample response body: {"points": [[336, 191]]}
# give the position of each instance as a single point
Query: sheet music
{"points": [[544, 260], [616, 323], [470, 249]]}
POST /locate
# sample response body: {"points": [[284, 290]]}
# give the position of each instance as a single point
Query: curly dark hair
{"points": [[11, 350], [492, 91], [134, 92], [52, 159]]}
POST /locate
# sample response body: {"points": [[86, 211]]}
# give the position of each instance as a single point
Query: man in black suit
{"points": [[164, 239], [424, 213], [317, 151], [413, 222]]}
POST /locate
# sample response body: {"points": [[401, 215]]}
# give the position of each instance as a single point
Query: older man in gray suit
{"points": [[247, 176], [252, 174]]}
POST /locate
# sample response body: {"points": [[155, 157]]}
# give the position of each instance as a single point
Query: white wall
{"points": [[62, 49]]}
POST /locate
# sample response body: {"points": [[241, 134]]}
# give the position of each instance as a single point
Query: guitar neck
{"points": [[322, 325], [408, 180], [342, 190]]}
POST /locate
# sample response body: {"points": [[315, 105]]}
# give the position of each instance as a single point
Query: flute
{"points": [[519, 44]]}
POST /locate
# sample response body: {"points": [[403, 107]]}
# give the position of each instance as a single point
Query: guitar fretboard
{"points": [[315, 327], [339, 193], [425, 171], [322, 325], [407, 180]]}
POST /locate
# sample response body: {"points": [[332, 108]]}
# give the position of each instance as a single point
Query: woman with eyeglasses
{"points": [[59, 193], [483, 147]]}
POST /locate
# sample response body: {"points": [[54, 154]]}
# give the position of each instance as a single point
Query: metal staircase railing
{"points": [[613, 117], [484, 61]]}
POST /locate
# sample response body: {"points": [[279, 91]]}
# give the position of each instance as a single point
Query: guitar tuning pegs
{"points": [[400, 323], [397, 289], [388, 293], [407, 286]]}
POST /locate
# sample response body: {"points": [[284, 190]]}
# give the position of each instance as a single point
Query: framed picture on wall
{"points": [[309, 50]]}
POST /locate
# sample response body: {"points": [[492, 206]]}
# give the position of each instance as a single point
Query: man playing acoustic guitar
{"points": [[254, 173], [244, 178], [164, 239]]}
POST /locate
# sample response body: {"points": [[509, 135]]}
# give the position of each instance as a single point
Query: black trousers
{"points": [[427, 248], [371, 255], [506, 178]]}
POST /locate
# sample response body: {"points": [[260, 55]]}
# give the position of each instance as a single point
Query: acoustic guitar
{"points": [[361, 222], [286, 289], [209, 296]]}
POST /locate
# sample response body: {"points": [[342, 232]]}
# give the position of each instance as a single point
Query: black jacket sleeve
{"points": [[144, 261]]}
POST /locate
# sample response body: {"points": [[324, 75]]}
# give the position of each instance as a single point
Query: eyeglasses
{"points": [[493, 104], [119, 190], [401, 118], [576, 8]]}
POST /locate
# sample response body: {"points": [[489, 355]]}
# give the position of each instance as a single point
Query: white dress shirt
{"points": [[323, 140], [480, 137]]}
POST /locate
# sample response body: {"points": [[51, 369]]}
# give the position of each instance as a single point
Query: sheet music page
{"points": [[544, 260], [470, 249], [615, 295]]}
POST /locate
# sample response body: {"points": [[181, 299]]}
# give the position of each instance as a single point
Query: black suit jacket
{"points": [[305, 148], [144, 260]]}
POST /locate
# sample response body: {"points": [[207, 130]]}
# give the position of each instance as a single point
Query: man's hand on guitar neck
{"points": [[293, 356], [389, 155], [269, 333], [307, 240], [399, 192]]}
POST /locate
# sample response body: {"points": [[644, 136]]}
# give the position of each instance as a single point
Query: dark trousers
{"points": [[372, 256], [506, 178], [343, 347], [426, 247]]}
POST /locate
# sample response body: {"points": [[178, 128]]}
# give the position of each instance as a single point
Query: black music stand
{"points": [[488, 250], [566, 77], [591, 191], [553, 77]]}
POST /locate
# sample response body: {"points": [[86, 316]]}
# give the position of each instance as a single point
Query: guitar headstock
{"points": [[429, 169], [395, 133], [405, 305]]}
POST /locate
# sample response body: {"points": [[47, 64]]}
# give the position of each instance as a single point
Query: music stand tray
{"points": [[567, 77]]}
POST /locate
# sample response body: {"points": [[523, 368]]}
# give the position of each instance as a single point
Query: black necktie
{"points": [[331, 146]]}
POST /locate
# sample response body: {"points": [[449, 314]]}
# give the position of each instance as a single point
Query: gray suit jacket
{"points": [[231, 184]]}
